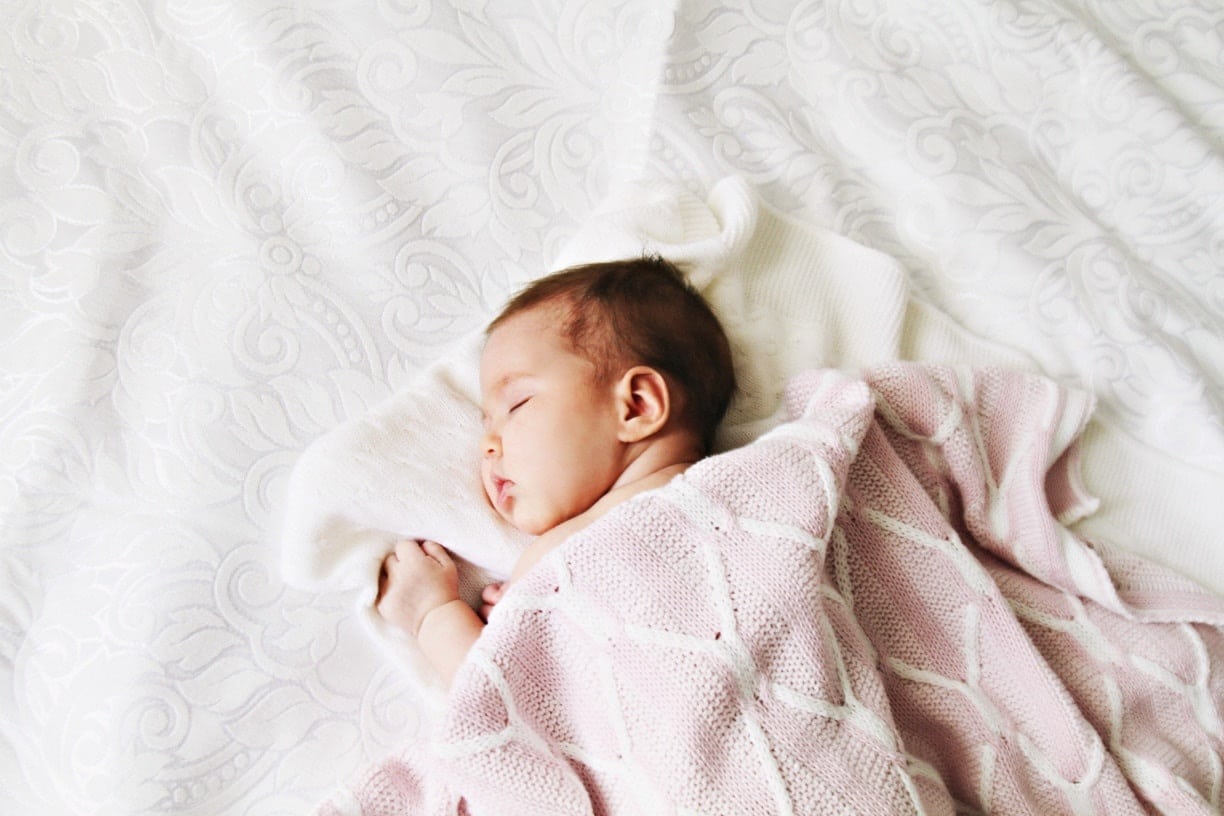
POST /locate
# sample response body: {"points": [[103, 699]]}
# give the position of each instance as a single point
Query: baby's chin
{"points": [[497, 511], [531, 518], [514, 519], [529, 526], [532, 524]]}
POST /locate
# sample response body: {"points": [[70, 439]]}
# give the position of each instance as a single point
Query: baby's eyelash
{"points": [[518, 404]]}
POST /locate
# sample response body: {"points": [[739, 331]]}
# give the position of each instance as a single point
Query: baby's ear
{"points": [[643, 402]]}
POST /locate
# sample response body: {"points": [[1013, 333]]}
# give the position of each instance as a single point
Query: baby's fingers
{"points": [[405, 549], [382, 583], [491, 595], [384, 576], [438, 553]]}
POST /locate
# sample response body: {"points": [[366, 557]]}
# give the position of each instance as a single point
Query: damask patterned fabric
{"points": [[229, 226]]}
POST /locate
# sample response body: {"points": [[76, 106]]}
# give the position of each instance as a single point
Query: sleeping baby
{"points": [[874, 607], [597, 383]]}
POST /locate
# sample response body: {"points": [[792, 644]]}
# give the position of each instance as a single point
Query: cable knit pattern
{"points": [[872, 608]]}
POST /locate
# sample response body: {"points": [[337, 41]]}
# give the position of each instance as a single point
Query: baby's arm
{"points": [[418, 591]]}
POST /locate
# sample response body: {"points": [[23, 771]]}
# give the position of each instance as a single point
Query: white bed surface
{"points": [[227, 227]]}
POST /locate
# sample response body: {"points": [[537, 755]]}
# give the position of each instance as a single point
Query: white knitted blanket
{"points": [[869, 612]]}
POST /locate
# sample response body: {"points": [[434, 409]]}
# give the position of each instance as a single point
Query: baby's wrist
{"points": [[433, 614]]}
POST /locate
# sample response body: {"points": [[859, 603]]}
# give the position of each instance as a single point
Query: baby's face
{"points": [[550, 439]]}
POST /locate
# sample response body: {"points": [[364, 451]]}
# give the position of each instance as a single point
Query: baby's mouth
{"points": [[501, 491]]}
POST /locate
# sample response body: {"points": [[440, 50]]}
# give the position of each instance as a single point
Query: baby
{"points": [[597, 383]]}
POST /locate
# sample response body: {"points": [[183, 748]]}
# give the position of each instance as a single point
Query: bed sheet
{"points": [[228, 226]]}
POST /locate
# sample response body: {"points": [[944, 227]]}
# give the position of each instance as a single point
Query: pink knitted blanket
{"points": [[875, 608]]}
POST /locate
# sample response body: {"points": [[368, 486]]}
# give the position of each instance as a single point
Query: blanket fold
{"points": [[873, 608]]}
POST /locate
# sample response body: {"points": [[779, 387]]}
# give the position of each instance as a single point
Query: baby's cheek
{"points": [[486, 486]]}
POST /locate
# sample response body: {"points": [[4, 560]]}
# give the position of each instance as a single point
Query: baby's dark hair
{"points": [[642, 311]]}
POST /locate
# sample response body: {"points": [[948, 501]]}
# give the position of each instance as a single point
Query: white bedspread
{"points": [[230, 226]]}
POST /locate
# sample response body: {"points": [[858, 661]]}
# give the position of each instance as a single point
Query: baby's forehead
{"points": [[516, 346], [536, 332], [524, 331], [552, 315]]}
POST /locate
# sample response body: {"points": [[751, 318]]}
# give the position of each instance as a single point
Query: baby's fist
{"points": [[416, 578]]}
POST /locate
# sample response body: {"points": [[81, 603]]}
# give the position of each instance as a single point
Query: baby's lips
{"points": [[501, 491]]}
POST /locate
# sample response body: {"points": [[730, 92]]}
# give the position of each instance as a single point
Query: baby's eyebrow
{"points": [[505, 381], [502, 383]]}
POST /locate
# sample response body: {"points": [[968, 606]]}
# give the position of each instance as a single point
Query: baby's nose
{"points": [[490, 444]]}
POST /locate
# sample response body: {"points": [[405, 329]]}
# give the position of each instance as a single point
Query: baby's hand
{"points": [[490, 596], [416, 578]]}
